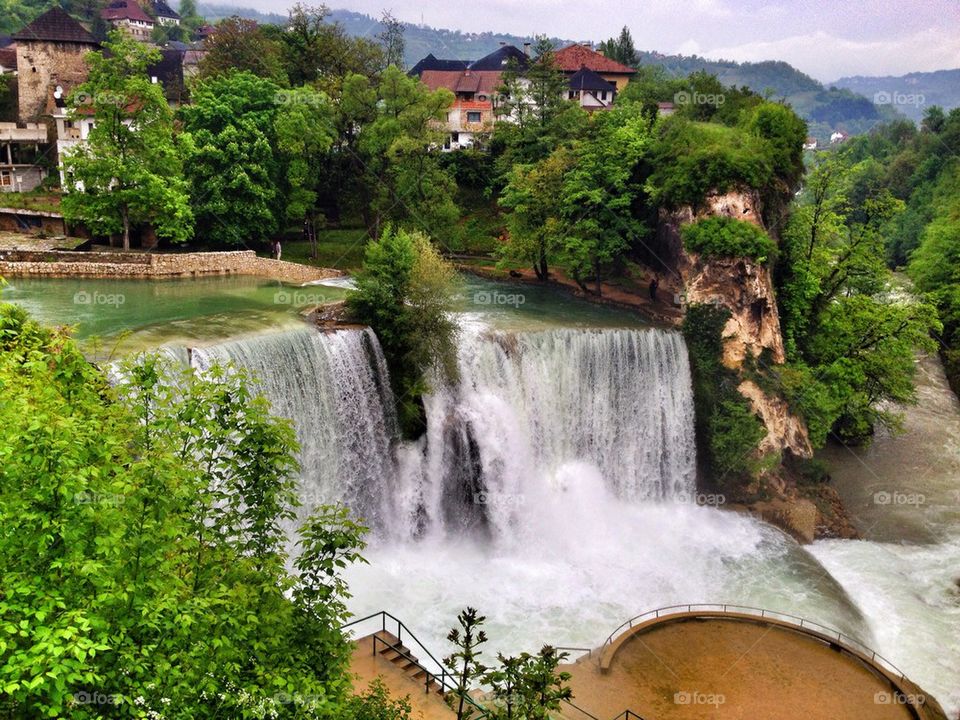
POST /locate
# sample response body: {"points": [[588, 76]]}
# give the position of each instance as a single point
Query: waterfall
{"points": [[334, 387], [531, 415], [533, 412]]}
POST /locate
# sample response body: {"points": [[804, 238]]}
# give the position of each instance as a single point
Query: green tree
{"points": [[128, 172], [404, 292], [319, 52], [464, 662], [621, 48], [390, 132], [533, 200], [533, 115], [850, 340], [190, 18], [305, 133], [144, 567], [242, 45], [234, 170], [598, 196]]}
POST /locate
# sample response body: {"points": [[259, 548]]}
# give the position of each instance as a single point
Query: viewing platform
{"points": [[687, 662]]}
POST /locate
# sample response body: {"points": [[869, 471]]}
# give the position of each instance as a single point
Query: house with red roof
{"points": [[470, 118], [128, 16], [573, 58]]}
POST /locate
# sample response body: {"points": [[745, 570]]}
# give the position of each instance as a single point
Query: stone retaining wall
{"points": [[57, 263]]}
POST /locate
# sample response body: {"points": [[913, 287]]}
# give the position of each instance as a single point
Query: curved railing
{"points": [[842, 639]]}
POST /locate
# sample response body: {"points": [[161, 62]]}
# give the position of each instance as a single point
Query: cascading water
{"points": [[334, 387], [552, 489], [532, 411]]}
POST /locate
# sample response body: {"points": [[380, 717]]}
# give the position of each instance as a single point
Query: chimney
{"points": [[526, 49]]}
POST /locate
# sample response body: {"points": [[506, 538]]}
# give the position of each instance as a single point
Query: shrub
{"points": [[726, 237]]}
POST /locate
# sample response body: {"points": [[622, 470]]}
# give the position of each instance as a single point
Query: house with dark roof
{"points": [[165, 14], [51, 53], [500, 59], [431, 62], [591, 91], [128, 16], [580, 55]]}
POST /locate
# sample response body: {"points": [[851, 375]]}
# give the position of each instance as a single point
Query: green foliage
{"points": [[621, 48], [534, 201], [389, 130], [727, 237], [850, 338], [375, 704], [404, 294], [243, 46], [129, 171], [529, 686], [391, 38], [255, 155], [599, 193], [321, 53], [692, 159], [533, 116], [727, 429], [464, 662], [144, 566]]}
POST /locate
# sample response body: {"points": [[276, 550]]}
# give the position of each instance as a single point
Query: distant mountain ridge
{"points": [[845, 105], [911, 94]]}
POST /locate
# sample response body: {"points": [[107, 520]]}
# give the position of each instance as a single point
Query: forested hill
{"points": [[825, 109], [912, 94], [420, 40]]}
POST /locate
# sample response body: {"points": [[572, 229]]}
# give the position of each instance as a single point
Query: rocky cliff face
{"points": [[746, 290]]}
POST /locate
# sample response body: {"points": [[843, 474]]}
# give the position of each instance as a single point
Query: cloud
{"points": [[827, 57]]}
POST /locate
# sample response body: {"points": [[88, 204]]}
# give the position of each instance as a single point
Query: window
{"points": [[603, 94], [571, 95], [6, 178], [473, 116]]}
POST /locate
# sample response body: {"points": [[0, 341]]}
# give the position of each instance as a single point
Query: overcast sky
{"points": [[825, 39]]}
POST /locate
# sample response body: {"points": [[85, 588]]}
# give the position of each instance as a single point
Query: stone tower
{"points": [[50, 53]]}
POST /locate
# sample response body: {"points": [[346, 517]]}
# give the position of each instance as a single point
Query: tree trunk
{"points": [[541, 269], [126, 229]]}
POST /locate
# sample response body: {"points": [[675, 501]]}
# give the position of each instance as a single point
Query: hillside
{"points": [[825, 109], [910, 94]]}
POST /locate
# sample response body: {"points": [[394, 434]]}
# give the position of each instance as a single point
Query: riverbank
{"points": [[634, 296], [154, 265]]}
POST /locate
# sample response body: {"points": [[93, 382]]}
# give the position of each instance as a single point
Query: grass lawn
{"points": [[338, 248], [40, 201]]}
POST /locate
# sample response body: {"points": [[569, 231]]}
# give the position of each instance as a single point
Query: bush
{"points": [[726, 237], [404, 293], [727, 430], [691, 160]]}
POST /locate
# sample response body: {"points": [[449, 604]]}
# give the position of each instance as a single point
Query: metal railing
{"points": [[845, 641], [625, 715], [441, 676]]}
